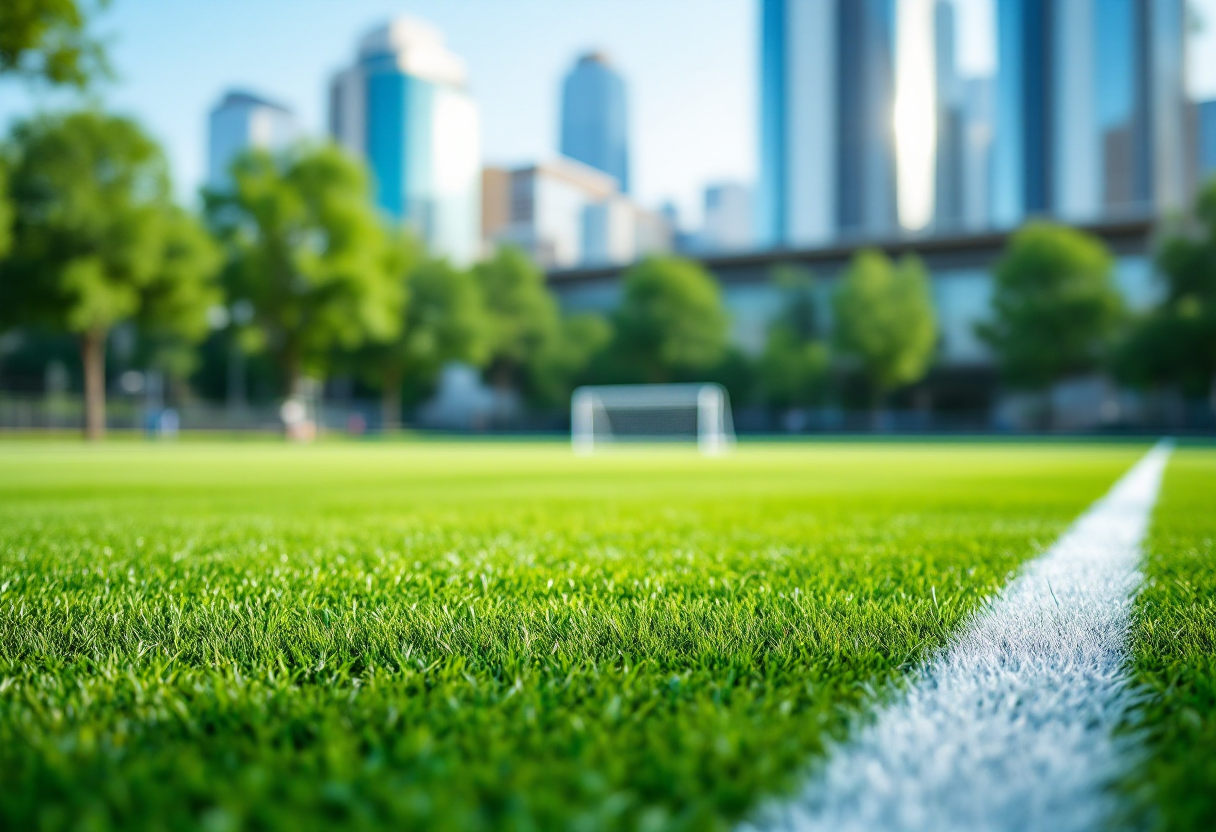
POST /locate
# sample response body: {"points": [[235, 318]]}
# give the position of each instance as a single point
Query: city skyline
{"points": [[175, 61]]}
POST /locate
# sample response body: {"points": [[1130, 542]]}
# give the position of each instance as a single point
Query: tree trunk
{"points": [[390, 399], [93, 357]]}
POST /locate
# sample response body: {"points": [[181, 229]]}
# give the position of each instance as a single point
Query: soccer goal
{"points": [[651, 413]]}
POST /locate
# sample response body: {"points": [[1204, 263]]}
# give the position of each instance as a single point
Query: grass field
{"points": [[507, 637], [1175, 644]]}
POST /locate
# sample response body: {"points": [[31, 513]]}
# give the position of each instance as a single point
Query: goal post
{"points": [[608, 414]]}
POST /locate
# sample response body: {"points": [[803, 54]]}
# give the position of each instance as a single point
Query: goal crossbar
{"points": [[605, 414]]}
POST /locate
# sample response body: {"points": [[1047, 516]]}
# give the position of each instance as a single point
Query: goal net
{"points": [[651, 413]]}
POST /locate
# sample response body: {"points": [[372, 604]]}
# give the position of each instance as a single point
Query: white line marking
{"points": [[1010, 728]]}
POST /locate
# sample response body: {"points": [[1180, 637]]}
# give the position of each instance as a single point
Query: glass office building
{"points": [[595, 118], [951, 137], [1207, 139], [1090, 106], [242, 121], [405, 108], [827, 167]]}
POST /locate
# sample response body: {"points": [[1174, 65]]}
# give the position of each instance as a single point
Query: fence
{"points": [[65, 412]]}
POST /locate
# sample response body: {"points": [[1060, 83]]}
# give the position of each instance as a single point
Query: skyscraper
{"points": [[951, 143], [242, 121], [1207, 139], [826, 135], [595, 117], [1090, 109], [978, 95], [405, 108], [729, 218]]}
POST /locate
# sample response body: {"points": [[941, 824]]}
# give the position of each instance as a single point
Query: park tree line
{"points": [[295, 266], [304, 272]]}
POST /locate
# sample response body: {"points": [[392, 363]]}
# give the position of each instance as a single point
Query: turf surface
{"points": [[1175, 653], [468, 637]]}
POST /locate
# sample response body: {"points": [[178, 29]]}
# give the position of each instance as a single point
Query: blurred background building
{"points": [[1089, 119], [827, 165], [405, 107], [728, 224], [1206, 129], [595, 117], [542, 208], [950, 173], [239, 122]]}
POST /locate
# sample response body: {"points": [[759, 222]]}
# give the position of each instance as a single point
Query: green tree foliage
{"points": [[794, 365], [306, 249], [1176, 342], [564, 361], [884, 318], [173, 316], [670, 324], [48, 40], [445, 320], [1055, 307], [97, 240], [522, 315], [6, 211]]}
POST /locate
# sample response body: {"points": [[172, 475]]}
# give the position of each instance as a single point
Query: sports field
{"points": [[505, 636]]}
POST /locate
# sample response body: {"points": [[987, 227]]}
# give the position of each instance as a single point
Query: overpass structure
{"points": [[960, 268]]}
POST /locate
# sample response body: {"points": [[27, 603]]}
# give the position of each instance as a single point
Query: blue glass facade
{"points": [[865, 196], [387, 139], [1124, 116], [772, 200], [1023, 140], [404, 108], [1089, 109], [1207, 139], [827, 161], [595, 121]]}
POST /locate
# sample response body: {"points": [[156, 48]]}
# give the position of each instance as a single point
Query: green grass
{"points": [[1175, 652], [473, 637]]}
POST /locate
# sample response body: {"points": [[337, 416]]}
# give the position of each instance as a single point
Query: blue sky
{"points": [[690, 65]]}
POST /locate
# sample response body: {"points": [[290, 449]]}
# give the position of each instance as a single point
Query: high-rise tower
{"points": [[827, 167], [1090, 109], [1206, 127], [405, 108], [595, 117], [242, 121], [951, 130]]}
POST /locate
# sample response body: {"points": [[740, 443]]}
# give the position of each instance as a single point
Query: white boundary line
{"points": [[1010, 727]]}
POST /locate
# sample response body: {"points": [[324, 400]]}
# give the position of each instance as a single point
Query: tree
{"points": [[1175, 343], [1055, 309], [566, 358], [521, 314], [97, 240], [174, 314], [670, 323], [47, 40], [794, 364], [6, 211], [884, 318], [306, 249], [444, 320]]}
